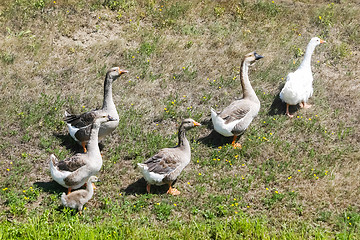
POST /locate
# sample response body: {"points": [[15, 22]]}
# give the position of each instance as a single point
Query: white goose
{"points": [[298, 87], [236, 117], [79, 125], [73, 172]]}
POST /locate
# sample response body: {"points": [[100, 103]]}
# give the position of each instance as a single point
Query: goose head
{"points": [[94, 179], [251, 58], [114, 73], [189, 123], [316, 41]]}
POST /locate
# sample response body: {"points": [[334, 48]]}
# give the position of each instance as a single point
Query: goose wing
{"points": [[235, 111], [80, 120], [163, 162], [72, 164]]}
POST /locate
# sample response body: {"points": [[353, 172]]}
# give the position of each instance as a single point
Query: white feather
{"points": [[221, 127], [57, 175], [151, 177], [298, 88]]}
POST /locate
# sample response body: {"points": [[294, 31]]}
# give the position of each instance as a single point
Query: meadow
{"points": [[292, 179]]}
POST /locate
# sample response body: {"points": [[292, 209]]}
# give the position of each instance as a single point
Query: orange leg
{"points": [[83, 144], [148, 188], [69, 191], [287, 111], [235, 145], [173, 191]]}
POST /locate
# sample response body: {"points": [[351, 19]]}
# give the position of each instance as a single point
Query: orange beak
{"points": [[322, 41], [196, 123], [121, 71]]}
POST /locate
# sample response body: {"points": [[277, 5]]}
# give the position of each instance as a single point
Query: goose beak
{"points": [[322, 41], [257, 56], [196, 123], [121, 71]]}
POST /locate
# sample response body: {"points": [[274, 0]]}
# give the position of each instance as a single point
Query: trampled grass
{"points": [[292, 179]]}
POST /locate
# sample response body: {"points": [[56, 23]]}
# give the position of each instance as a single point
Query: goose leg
{"points": [[173, 191], [83, 144], [69, 191], [305, 105], [148, 188], [287, 111], [235, 145]]}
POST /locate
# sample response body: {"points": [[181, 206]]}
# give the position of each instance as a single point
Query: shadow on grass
{"points": [[139, 187], [70, 144], [214, 139], [50, 187], [278, 107]]}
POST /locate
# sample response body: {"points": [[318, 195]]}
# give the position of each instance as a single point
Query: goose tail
{"points": [[57, 175], [213, 114]]}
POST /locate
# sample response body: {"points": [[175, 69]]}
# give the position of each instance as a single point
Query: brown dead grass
{"points": [[66, 52]]}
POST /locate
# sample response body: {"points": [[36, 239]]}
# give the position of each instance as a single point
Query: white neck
{"points": [[248, 91], [306, 63], [93, 144]]}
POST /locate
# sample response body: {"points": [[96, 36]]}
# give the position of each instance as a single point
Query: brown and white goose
{"points": [[78, 198], [79, 125], [236, 117], [73, 172], [165, 166]]}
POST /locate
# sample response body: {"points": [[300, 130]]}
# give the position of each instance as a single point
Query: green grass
{"points": [[292, 179]]}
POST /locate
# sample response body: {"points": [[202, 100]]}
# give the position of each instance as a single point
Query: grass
{"points": [[292, 179]]}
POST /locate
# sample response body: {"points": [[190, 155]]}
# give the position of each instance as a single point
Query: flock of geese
{"points": [[165, 166]]}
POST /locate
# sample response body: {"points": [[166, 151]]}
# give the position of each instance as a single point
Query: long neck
{"points": [[108, 100], [92, 145], [248, 91], [306, 63], [183, 142]]}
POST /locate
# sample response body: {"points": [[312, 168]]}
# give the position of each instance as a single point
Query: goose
{"points": [[79, 125], [298, 86], [236, 117], [78, 198], [73, 172], [165, 166]]}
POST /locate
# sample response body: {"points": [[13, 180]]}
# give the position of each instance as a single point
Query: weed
{"points": [[162, 211], [7, 58]]}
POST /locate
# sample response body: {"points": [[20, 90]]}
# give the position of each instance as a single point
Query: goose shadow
{"points": [[139, 187], [70, 144], [50, 187], [214, 139], [278, 107]]}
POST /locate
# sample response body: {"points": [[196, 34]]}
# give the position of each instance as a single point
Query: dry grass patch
{"points": [[183, 58]]}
